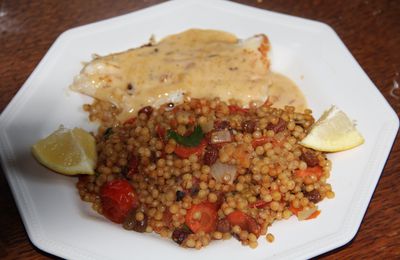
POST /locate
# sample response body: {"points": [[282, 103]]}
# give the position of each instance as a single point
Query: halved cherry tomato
{"points": [[186, 151], [316, 170], [202, 217], [244, 221], [117, 199]]}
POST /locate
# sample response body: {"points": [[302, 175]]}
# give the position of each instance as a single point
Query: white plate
{"points": [[309, 52]]}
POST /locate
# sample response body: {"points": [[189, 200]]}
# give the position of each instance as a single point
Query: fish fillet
{"points": [[195, 63]]}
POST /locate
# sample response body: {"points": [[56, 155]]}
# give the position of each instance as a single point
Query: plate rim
{"points": [[388, 133]]}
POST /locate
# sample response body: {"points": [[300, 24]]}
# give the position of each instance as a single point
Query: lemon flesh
{"points": [[67, 151], [333, 132]]}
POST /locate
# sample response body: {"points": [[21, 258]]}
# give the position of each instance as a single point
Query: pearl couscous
{"points": [[205, 170]]}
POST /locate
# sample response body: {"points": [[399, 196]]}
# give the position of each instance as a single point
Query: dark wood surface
{"points": [[370, 29]]}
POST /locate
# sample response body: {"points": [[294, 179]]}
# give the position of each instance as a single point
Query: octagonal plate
{"points": [[309, 52]]}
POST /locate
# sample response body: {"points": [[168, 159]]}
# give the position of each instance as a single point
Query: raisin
{"points": [[313, 196], [107, 133], [279, 127], [195, 189], [133, 167], [180, 234], [148, 110], [179, 195], [210, 155], [130, 222], [223, 225], [249, 126], [309, 158]]}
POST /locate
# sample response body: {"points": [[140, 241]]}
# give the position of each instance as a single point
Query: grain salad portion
{"points": [[205, 170]]}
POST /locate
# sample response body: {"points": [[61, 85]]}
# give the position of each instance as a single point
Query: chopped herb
{"points": [[107, 133], [180, 195], [192, 140]]}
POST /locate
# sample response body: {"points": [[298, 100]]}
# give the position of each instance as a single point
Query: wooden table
{"points": [[369, 28]]}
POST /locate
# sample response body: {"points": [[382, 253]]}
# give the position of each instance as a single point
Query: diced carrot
{"points": [[259, 204], [244, 221], [185, 151], [238, 218], [242, 156], [294, 210], [260, 141], [314, 215], [202, 217], [316, 170]]}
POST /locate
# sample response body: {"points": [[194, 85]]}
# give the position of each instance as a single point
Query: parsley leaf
{"points": [[192, 140]]}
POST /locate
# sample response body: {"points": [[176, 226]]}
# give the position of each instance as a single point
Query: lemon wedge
{"points": [[67, 151], [333, 132]]}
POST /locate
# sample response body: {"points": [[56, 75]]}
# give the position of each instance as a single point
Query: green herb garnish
{"points": [[192, 140], [107, 133]]}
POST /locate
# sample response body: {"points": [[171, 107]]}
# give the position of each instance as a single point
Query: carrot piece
{"points": [[260, 141], [294, 210], [185, 151], [238, 218], [314, 215], [259, 204], [316, 170], [202, 217], [244, 221]]}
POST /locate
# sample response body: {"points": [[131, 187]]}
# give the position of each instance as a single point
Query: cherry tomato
{"points": [[117, 199]]}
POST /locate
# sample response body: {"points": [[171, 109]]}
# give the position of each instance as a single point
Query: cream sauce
{"points": [[195, 63], [284, 92]]}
